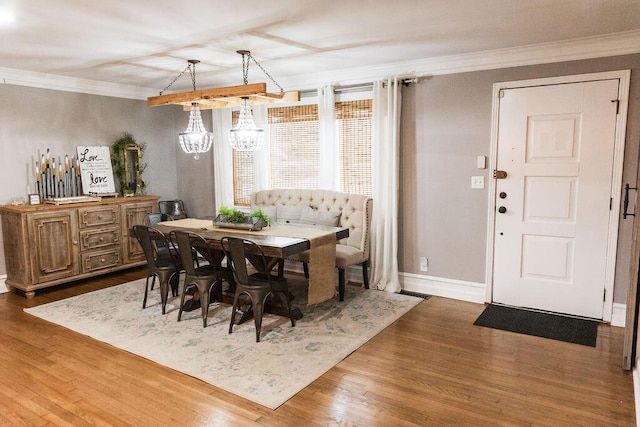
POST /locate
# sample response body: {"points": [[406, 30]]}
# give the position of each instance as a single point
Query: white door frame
{"points": [[616, 181]]}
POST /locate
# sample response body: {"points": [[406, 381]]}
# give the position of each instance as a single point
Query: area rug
{"points": [[546, 325], [269, 372]]}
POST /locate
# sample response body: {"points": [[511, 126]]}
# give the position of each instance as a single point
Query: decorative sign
{"points": [[96, 170]]}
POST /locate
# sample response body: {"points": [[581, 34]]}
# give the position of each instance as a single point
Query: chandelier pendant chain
{"points": [[176, 78], [191, 66], [245, 68]]}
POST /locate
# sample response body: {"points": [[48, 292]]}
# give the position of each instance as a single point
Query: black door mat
{"points": [[546, 325]]}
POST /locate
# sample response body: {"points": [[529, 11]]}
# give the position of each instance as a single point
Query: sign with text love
{"points": [[95, 169]]}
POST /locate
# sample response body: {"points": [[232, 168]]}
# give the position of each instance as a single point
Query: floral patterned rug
{"points": [[269, 372]]}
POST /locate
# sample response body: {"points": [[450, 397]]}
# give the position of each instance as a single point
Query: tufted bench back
{"points": [[355, 209]]}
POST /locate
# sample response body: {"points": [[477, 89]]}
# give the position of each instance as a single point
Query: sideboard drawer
{"points": [[99, 238], [98, 216], [98, 260]]}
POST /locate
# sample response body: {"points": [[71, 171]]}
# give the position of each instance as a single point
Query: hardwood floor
{"points": [[431, 367]]}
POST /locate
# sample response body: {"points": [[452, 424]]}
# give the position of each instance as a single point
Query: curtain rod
{"points": [[358, 87]]}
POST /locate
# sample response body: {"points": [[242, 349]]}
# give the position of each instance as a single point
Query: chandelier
{"points": [[195, 139], [246, 136]]}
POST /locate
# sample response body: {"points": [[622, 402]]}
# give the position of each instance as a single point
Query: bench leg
{"points": [[342, 280], [305, 267], [365, 274]]}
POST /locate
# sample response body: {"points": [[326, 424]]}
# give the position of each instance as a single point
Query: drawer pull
{"points": [[103, 260], [102, 239]]}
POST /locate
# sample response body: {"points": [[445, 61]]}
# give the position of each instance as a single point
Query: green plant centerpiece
{"points": [[126, 159], [234, 218]]}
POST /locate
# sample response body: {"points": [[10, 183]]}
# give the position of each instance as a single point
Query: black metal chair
{"points": [[162, 262], [206, 280], [257, 286], [152, 219], [175, 208]]}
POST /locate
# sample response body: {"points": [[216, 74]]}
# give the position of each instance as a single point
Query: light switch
{"points": [[477, 181]]}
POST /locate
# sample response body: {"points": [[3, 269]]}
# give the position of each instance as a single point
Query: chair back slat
{"points": [[182, 240], [238, 252]]}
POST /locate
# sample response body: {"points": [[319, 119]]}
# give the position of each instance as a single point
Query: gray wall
{"points": [[446, 124], [195, 177], [33, 119]]}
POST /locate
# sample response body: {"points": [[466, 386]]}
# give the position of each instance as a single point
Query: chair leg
{"points": [[204, 303], [184, 293], [236, 296], [305, 268], [146, 292], [287, 297], [365, 274], [174, 280], [258, 308], [342, 280], [164, 293]]}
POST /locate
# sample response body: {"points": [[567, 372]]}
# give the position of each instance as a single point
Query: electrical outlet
{"points": [[424, 264]]}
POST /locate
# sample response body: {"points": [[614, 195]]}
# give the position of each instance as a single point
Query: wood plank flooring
{"points": [[431, 367]]}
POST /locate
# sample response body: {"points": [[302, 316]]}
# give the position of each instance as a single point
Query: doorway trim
{"points": [[616, 178]]}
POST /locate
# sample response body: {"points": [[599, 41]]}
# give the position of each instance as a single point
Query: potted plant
{"points": [[234, 218]]}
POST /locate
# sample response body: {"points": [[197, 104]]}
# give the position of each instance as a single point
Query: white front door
{"points": [[556, 144]]}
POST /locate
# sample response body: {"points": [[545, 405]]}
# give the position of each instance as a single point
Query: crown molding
{"points": [[624, 43], [73, 84]]}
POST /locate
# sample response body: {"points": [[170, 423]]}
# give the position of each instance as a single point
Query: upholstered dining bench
{"points": [[324, 207]]}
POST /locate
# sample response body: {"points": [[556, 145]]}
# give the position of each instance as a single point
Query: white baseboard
{"points": [[442, 287], [3, 287], [619, 314]]}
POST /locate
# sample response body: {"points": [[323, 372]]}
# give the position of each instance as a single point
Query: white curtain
{"points": [[222, 158], [328, 173], [385, 174], [261, 158]]}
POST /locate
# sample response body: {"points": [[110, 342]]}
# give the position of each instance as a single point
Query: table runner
{"points": [[322, 255]]}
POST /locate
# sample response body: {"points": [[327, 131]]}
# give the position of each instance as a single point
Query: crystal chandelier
{"points": [[246, 136], [195, 139]]}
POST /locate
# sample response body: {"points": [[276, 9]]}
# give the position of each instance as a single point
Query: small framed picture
{"points": [[34, 199]]}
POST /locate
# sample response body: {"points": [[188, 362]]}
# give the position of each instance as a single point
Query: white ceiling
{"points": [[147, 43]]}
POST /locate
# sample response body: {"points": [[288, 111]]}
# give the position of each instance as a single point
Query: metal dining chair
{"points": [[206, 280], [175, 208], [155, 218], [162, 262], [257, 286]]}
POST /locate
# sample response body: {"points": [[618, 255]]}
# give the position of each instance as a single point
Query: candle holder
{"points": [[55, 180]]}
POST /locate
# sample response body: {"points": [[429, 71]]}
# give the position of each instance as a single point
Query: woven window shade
{"points": [[353, 122], [295, 146], [242, 172], [295, 149]]}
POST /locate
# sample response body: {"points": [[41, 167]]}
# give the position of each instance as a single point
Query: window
{"points": [[294, 143], [354, 139], [294, 146]]}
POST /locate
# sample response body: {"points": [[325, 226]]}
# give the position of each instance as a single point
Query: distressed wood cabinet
{"points": [[46, 245]]}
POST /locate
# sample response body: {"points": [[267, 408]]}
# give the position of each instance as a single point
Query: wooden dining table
{"points": [[277, 242]]}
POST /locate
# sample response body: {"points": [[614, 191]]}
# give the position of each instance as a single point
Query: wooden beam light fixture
{"points": [[230, 96]]}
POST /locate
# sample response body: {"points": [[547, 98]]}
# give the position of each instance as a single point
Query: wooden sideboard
{"points": [[46, 245]]}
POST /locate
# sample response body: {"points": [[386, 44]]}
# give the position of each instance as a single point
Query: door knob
{"points": [[502, 209]]}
